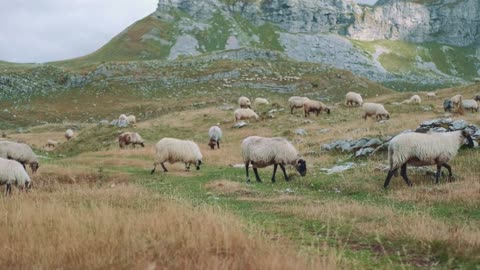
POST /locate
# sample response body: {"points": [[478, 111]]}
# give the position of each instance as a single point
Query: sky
{"points": [[36, 31]]}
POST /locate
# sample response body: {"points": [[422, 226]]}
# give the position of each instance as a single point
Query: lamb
{"points": [[12, 172], [173, 150], [470, 104], [261, 152], [353, 99], [215, 134], [20, 152], [132, 138], [296, 102], [314, 106], [431, 95], [52, 143], [260, 102], [375, 109], [415, 99], [244, 102], [69, 134], [131, 119], [241, 114], [420, 149]]}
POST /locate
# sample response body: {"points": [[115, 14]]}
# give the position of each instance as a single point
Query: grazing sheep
{"points": [[215, 134], [242, 114], [69, 134], [353, 99], [457, 104], [415, 99], [131, 119], [431, 95], [132, 138], [173, 150], [20, 152], [244, 102], [447, 105], [470, 104], [260, 101], [420, 149], [296, 102], [52, 143], [314, 106], [375, 109], [12, 172], [261, 152]]}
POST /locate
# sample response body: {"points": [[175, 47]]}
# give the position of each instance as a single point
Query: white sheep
{"points": [[132, 138], [174, 150], [314, 106], [131, 119], [244, 102], [69, 134], [415, 99], [123, 117], [261, 152], [431, 95], [296, 102], [215, 135], [420, 149], [52, 143], [457, 104], [242, 114], [470, 104], [375, 109], [12, 172], [260, 102], [353, 99], [20, 152]]}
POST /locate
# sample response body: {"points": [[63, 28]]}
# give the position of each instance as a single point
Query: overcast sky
{"points": [[49, 30]]}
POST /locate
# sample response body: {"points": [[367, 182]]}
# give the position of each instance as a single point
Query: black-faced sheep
{"points": [[261, 152], [20, 152], [447, 105], [215, 135], [244, 102], [470, 104], [353, 99], [127, 138], [314, 106], [174, 150], [419, 149], [13, 173], [296, 102], [375, 109], [52, 143]]}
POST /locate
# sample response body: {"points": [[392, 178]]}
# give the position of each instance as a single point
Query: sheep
{"points": [[457, 104], [215, 134], [244, 102], [12, 172], [52, 143], [20, 152], [260, 102], [447, 105], [132, 138], [174, 150], [431, 95], [415, 99], [477, 98], [69, 134], [241, 114], [131, 119], [470, 104], [420, 149], [314, 106], [123, 117], [353, 99], [261, 152], [371, 109], [296, 102]]}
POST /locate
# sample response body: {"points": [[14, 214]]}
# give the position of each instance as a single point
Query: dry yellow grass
{"points": [[227, 187]]}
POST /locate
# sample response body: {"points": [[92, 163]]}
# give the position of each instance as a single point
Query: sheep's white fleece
{"points": [[415, 99], [267, 151], [134, 137], [18, 151], [131, 119], [260, 101], [12, 172], [420, 149], [215, 133], [457, 99], [470, 104], [297, 102], [374, 109], [241, 114], [353, 98], [174, 150], [244, 102], [314, 104], [431, 94], [69, 134]]}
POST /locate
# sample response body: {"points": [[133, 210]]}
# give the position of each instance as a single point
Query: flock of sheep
{"points": [[415, 149]]}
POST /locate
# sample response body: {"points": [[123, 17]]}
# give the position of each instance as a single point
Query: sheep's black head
{"points": [[34, 166], [301, 167], [328, 110], [466, 135], [447, 105], [212, 143], [477, 97], [142, 144], [197, 165]]}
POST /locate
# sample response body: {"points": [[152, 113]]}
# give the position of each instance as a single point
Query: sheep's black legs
{"points": [[403, 173], [187, 166], [163, 166], [449, 170], [284, 172], [247, 166], [8, 189], [437, 175], [274, 172], [389, 177], [154, 167], [218, 144], [255, 170]]}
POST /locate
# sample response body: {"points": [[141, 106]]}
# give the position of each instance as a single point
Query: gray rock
{"points": [[323, 130], [439, 129], [458, 125], [104, 122], [301, 131], [338, 168], [240, 124], [364, 152]]}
